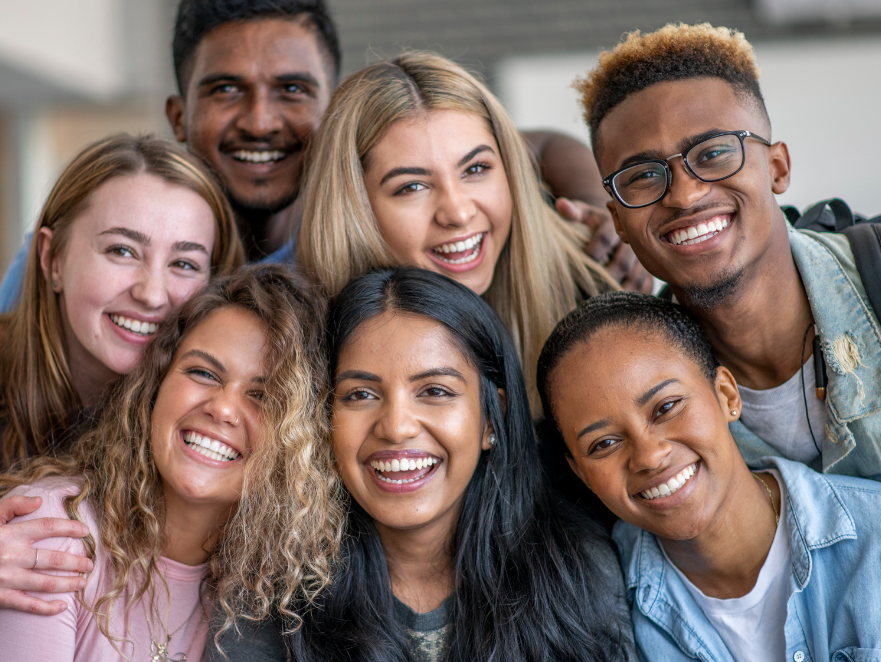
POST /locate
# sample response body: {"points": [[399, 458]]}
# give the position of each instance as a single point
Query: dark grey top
{"points": [[428, 633]]}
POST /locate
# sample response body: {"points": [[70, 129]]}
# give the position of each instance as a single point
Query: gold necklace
{"points": [[159, 652], [771, 497]]}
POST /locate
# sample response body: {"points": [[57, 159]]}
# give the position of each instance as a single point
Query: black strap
{"points": [[818, 219], [865, 242]]}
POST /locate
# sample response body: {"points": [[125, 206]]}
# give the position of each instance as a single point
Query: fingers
{"points": [[635, 278], [45, 527], [16, 506], [581, 212], [21, 602], [605, 245]]}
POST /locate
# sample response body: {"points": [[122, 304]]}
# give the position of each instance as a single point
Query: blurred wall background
{"points": [[72, 71]]}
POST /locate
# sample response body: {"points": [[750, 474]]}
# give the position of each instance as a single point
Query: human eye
{"points": [[476, 169], [410, 187], [714, 151], [643, 175], [293, 88], [121, 250], [603, 444], [186, 265], [202, 374], [436, 392], [667, 407], [357, 395], [257, 394], [225, 88]]}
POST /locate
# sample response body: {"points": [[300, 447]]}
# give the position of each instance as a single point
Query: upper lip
{"points": [[700, 217], [662, 477], [397, 454], [215, 435]]}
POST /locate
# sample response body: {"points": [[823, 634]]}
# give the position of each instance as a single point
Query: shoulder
{"points": [[54, 491]]}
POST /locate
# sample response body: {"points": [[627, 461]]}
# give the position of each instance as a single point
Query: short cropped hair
{"points": [[196, 18], [675, 52], [628, 310]]}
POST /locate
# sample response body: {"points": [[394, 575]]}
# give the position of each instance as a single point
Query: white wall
{"points": [[824, 98]]}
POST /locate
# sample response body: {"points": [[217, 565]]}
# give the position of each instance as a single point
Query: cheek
{"points": [[402, 230], [181, 289]]}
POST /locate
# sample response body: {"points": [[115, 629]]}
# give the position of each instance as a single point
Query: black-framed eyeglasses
{"points": [[710, 160]]}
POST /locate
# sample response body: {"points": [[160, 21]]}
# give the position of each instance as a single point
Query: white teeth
{"points": [[695, 234], [136, 326], [671, 486], [473, 242], [403, 464], [258, 157], [216, 450]]}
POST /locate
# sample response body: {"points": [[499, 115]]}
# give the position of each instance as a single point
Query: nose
{"points": [[397, 422], [456, 207], [259, 116], [648, 452], [223, 406], [685, 189], [150, 288]]}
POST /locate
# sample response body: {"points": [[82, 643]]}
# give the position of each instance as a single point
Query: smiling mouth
{"points": [[460, 252], [694, 234], [671, 486], [133, 325], [210, 448], [259, 156], [405, 470]]}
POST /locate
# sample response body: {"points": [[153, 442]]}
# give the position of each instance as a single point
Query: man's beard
{"points": [[708, 297], [258, 212]]}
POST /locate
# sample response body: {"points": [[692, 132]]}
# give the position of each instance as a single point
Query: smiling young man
{"points": [[683, 139]]}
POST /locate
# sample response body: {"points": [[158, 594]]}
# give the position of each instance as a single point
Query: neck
{"points": [[420, 565], [724, 560], [758, 334], [264, 233], [90, 377], [191, 531]]}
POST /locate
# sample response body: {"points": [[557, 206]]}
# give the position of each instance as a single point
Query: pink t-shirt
{"points": [[74, 634]]}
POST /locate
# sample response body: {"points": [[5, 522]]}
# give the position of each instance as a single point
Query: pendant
{"points": [[160, 652]]}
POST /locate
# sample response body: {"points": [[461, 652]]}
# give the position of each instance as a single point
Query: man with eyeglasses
{"points": [[683, 141]]}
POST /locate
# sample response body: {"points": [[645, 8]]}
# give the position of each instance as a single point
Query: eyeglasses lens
{"points": [[642, 184]]}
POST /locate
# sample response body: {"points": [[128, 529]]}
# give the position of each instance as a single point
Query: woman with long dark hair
{"points": [[455, 548]]}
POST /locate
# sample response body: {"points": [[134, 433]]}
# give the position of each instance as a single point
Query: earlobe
{"points": [[613, 210], [780, 167], [175, 112], [727, 393]]}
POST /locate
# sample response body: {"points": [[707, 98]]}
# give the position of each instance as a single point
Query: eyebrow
{"points": [[293, 77], [356, 374], [685, 143], [396, 172], [207, 357], [594, 426], [648, 395], [134, 235], [189, 246], [438, 372], [474, 152]]}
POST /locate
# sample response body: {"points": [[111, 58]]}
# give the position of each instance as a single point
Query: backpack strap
{"points": [[818, 219], [865, 242]]}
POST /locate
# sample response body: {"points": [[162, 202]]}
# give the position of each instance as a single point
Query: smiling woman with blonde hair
{"points": [[482, 221]]}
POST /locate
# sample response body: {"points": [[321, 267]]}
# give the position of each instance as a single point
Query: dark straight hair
{"points": [[534, 580]]}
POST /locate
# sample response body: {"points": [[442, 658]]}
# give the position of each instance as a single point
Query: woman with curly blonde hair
{"points": [[416, 162], [206, 484]]}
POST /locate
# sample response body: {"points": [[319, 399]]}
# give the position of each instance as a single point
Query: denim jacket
{"points": [[851, 338], [834, 604]]}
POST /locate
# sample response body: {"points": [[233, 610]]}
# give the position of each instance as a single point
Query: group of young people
{"points": [[337, 451]]}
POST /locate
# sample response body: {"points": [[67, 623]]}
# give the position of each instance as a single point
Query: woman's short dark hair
{"points": [[534, 580], [623, 309]]}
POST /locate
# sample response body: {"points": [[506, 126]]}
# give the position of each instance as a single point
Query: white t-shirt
{"points": [[752, 626], [777, 415]]}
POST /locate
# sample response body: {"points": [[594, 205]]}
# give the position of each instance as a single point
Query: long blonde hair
{"points": [[277, 546], [542, 272], [37, 395]]}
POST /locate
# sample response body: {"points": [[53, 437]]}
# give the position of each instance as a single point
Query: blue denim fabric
{"points": [[834, 607], [851, 337], [10, 288], [284, 255]]}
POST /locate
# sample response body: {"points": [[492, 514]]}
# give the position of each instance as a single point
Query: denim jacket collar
{"points": [[816, 516]]}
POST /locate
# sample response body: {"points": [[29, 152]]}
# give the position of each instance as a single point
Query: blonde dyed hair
{"points": [[277, 546], [37, 395], [542, 271]]}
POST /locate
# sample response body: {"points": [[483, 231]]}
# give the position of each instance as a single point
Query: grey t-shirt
{"points": [[777, 415], [427, 634]]}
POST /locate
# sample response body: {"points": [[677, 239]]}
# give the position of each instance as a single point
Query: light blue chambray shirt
{"points": [[834, 605], [851, 337]]}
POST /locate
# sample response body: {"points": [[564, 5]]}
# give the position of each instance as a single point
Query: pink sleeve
{"points": [[27, 637]]}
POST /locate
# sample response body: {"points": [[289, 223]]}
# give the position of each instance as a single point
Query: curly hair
{"points": [[675, 52], [276, 547], [624, 310]]}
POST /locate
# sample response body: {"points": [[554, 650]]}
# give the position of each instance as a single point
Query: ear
{"points": [[49, 265], [779, 167], [577, 470], [613, 210], [175, 111], [504, 400], [727, 393]]}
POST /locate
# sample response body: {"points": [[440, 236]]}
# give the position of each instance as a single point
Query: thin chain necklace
{"points": [[770, 496], [159, 652]]}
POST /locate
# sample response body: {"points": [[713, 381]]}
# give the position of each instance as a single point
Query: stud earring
{"points": [[492, 439], [55, 285], [734, 412]]}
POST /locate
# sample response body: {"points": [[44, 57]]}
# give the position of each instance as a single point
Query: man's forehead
{"points": [[260, 48], [663, 118]]}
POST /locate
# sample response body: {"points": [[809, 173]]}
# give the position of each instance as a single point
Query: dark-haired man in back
{"points": [[681, 134]]}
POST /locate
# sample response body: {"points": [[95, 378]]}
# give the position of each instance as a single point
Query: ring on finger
{"points": [[36, 559]]}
